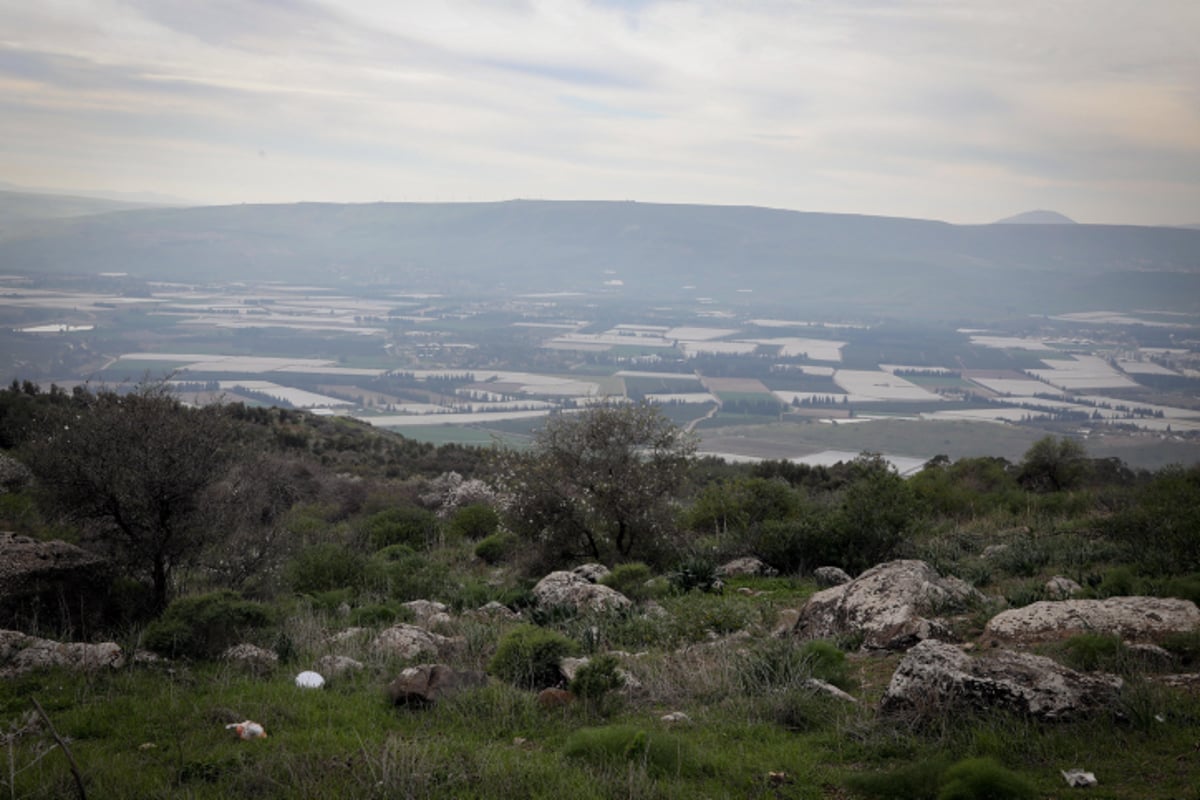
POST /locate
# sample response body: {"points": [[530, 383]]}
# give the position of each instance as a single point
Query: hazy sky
{"points": [[960, 110]]}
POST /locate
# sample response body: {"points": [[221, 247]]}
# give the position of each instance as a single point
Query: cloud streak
{"points": [[965, 111]]}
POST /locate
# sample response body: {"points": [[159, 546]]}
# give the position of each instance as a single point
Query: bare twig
{"points": [[66, 750]]}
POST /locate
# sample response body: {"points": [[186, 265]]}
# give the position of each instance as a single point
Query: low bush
{"points": [[408, 525], [496, 548], [696, 572], [1093, 651], [474, 522], [983, 779], [597, 678], [403, 575], [528, 656], [661, 754], [322, 567], [205, 625], [630, 580], [916, 781]]}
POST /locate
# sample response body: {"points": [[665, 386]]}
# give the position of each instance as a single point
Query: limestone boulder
{"points": [[429, 613], [566, 589], [20, 653], [892, 606], [334, 666], [37, 577], [252, 657], [831, 576], [1062, 588], [1136, 619], [936, 677], [427, 683], [410, 641]]}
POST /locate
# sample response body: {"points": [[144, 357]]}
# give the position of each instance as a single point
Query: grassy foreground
{"points": [[755, 730]]}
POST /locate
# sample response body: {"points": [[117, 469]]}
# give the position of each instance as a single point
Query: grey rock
{"points": [[1139, 619], [29, 566], [425, 610], [676, 718], [568, 589], [20, 653], [1062, 588], [826, 688], [934, 678], [410, 641], [494, 610], [891, 606], [334, 666], [591, 572], [252, 657], [427, 683], [831, 576]]}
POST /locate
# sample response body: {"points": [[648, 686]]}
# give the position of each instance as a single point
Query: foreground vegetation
{"points": [[336, 527]]}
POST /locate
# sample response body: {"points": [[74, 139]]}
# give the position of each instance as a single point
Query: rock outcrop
{"points": [[252, 657], [831, 576], [1061, 588], [891, 606], [409, 641], [48, 578], [566, 589], [334, 666], [427, 683], [935, 678], [1139, 619], [20, 653]]}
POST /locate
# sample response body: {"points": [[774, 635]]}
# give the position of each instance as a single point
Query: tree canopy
{"points": [[599, 483]]}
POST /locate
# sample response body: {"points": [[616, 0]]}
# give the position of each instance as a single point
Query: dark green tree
{"points": [[136, 470], [1053, 465]]}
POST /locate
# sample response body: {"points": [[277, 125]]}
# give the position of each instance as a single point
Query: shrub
{"points": [[408, 525], [630, 580], [528, 656], [696, 573], [777, 663], [983, 779], [205, 625], [496, 548], [663, 754], [474, 522], [404, 575], [374, 614], [322, 567], [597, 678], [918, 781]]}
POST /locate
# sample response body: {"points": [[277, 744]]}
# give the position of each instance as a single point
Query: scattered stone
{"points": [[255, 658], [427, 683], [1138, 619], [555, 698], [934, 677], [349, 635], [336, 666], [1188, 681], [747, 565], [676, 718], [1062, 588], [409, 641], [1152, 656], [824, 687], [568, 589], [1078, 779], [831, 576], [424, 611], [494, 610], [886, 605], [747, 591], [994, 551], [654, 610], [309, 680], [14, 476], [591, 572]]}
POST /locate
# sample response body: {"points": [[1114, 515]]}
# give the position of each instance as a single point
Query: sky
{"points": [[960, 110]]}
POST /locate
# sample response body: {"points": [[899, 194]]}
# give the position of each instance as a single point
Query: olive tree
{"points": [[135, 469], [598, 483]]}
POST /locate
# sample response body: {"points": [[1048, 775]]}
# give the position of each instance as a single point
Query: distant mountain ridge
{"points": [[794, 261], [1037, 217]]}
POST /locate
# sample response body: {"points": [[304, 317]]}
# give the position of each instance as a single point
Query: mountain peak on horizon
{"points": [[1038, 217]]}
